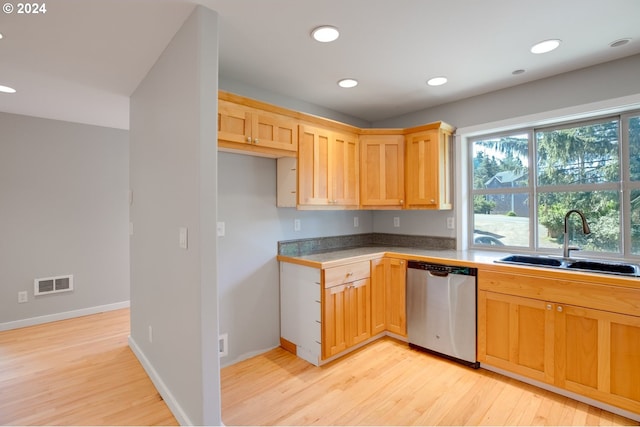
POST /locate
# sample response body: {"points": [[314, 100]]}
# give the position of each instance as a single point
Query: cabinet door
{"points": [[516, 334], [313, 166], [234, 122], [274, 131], [378, 295], [344, 160], [359, 312], [396, 304], [598, 355], [334, 320], [428, 170], [382, 171]]}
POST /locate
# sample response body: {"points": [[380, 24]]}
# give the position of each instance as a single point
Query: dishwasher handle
{"points": [[436, 273]]}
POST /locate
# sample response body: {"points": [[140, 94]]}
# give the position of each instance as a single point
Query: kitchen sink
{"points": [[596, 266], [532, 260], [604, 267]]}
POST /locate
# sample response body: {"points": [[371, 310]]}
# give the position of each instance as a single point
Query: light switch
{"points": [[220, 228], [183, 238]]}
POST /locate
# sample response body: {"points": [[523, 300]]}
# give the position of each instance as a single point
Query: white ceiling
{"points": [[82, 59]]}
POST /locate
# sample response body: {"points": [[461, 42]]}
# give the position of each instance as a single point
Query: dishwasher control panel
{"points": [[441, 268]]}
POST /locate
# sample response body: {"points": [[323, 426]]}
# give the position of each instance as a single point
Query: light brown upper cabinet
{"points": [[428, 169], [381, 171], [328, 166], [251, 129]]}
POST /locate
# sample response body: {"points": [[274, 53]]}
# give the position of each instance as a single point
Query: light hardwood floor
{"points": [[76, 372], [387, 383], [82, 372]]}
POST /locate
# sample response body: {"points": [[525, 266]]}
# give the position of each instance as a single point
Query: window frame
{"points": [[624, 186]]}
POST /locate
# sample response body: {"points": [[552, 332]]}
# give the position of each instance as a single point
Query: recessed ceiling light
{"points": [[437, 81], [0, 35], [516, 72], [347, 83], [619, 43], [325, 33], [545, 46], [7, 89]]}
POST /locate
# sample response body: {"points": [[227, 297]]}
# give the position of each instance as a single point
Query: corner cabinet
{"points": [[381, 171], [388, 296], [428, 168], [564, 333], [328, 168]]}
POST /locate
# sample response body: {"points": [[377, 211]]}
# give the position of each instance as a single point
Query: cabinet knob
{"points": [[349, 274], [559, 309], [402, 202], [549, 306], [433, 200], [249, 139], [255, 141]]}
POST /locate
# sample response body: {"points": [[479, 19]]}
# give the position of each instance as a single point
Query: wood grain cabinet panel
{"points": [[328, 165], [428, 170], [382, 171], [585, 350], [245, 128], [388, 296], [346, 316]]}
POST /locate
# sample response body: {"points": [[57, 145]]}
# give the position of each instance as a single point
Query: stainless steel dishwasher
{"points": [[441, 310]]}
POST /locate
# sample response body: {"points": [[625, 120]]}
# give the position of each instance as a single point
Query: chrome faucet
{"points": [[566, 250]]}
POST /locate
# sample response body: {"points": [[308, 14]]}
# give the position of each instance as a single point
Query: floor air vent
{"points": [[53, 285]]}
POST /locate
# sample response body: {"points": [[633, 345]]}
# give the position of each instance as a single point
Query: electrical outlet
{"points": [[223, 345], [150, 334], [296, 224], [23, 297], [356, 221], [220, 228], [396, 221], [450, 223]]}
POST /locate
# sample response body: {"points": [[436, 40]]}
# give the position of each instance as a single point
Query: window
{"points": [[524, 183]]}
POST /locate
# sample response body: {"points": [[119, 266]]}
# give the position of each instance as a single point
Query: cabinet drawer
{"points": [[335, 276]]}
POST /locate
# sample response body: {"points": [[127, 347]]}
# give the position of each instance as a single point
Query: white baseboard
{"points": [[171, 402], [244, 356], [32, 321]]}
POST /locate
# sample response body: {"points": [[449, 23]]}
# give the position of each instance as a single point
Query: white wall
{"points": [[63, 210], [173, 177]]}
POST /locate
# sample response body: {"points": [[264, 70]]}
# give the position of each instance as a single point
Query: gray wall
{"points": [[248, 274], [173, 155], [63, 210], [601, 82]]}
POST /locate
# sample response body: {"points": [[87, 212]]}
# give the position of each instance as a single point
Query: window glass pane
{"points": [[635, 222], [602, 210], [501, 219], [634, 148], [585, 154], [501, 162]]}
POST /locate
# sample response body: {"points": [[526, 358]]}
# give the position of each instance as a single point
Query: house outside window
{"points": [[524, 182]]}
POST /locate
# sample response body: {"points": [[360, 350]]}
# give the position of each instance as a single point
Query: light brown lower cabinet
{"points": [[594, 353], [388, 296], [347, 316]]}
